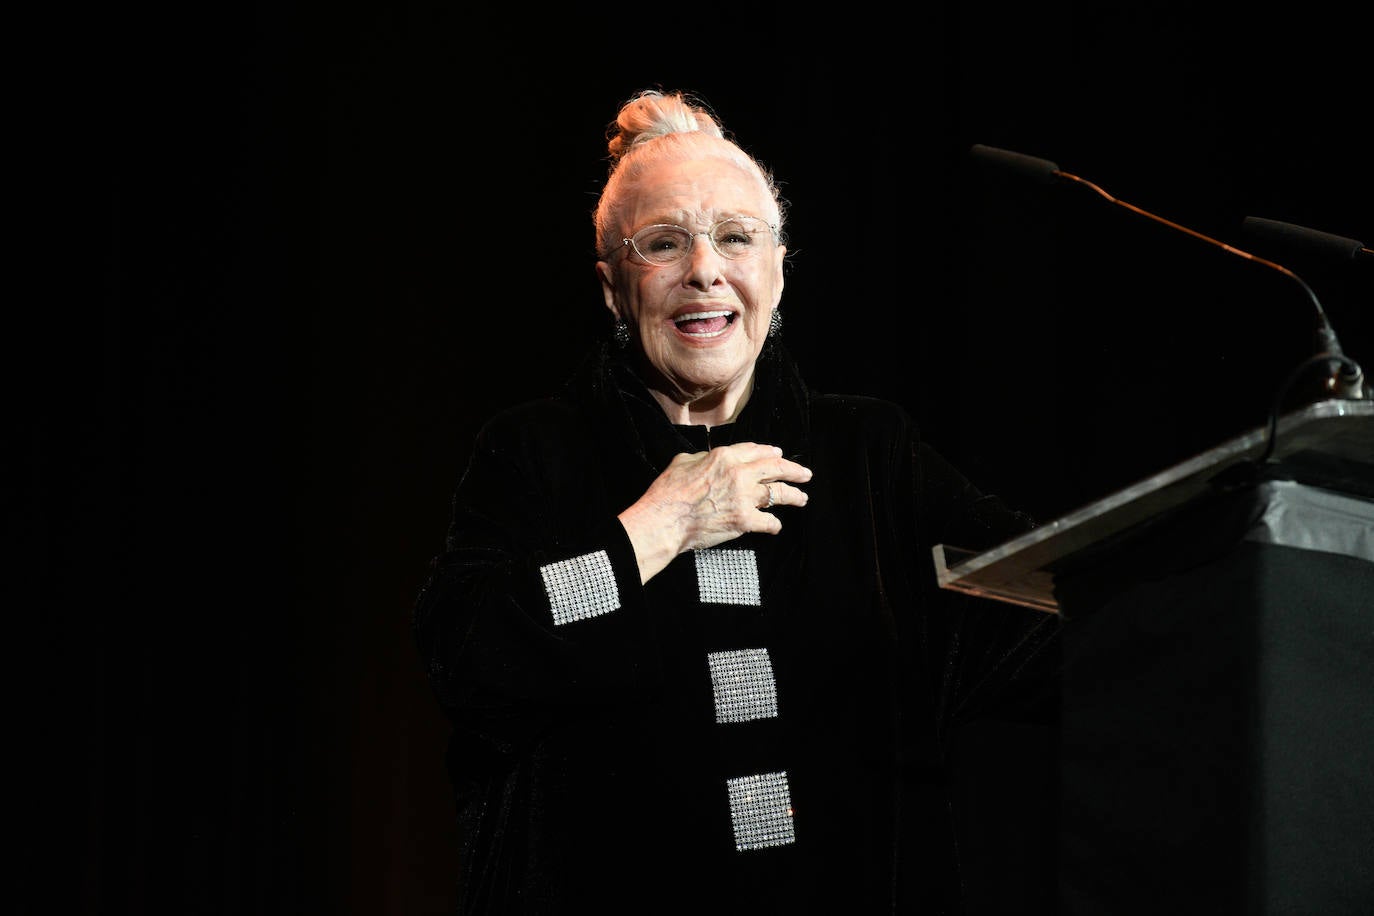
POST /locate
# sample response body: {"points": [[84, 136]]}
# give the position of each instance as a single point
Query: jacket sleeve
{"points": [[989, 657], [534, 607]]}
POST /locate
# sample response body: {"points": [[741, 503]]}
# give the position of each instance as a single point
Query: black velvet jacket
{"points": [[602, 762]]}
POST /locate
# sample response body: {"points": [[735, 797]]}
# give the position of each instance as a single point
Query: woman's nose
{"points": [[703, 261]]}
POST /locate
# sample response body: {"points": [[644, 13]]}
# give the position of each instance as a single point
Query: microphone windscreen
{"points": [[1029, 166], [1301, 238]]}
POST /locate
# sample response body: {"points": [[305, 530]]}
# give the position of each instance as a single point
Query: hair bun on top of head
{"points": [[651, 113]]}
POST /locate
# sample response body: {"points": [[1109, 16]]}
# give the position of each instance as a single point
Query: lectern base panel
{"points": [[1217, 730]]}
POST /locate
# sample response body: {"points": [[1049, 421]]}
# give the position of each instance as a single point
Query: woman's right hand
{"points": [[706, 498]]}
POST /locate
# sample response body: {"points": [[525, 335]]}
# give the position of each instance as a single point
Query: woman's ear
{"points": [[781, 271], [607, 277]]}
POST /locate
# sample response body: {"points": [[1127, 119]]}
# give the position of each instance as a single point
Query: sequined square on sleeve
{"points": [[742, 680], [761, 811], [581, 587], [727, 576]]}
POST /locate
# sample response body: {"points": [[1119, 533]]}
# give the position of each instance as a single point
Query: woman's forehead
{"points": [[697, 190]]}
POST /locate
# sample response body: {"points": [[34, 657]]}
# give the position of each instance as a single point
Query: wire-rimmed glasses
{"points": [[734, 238]]}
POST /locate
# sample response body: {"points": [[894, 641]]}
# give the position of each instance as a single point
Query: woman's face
{"points": [[708, 360]]}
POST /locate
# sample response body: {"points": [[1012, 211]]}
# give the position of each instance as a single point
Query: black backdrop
{"points": [[325, 241]]}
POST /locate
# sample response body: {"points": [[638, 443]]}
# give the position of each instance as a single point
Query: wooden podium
{"points": [[1216, 729]]}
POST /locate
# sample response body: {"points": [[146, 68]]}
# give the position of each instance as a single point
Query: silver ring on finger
{"points": [[769, 488]]}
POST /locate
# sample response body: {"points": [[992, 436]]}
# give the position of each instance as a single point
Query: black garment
{"points": [[589, 766]]}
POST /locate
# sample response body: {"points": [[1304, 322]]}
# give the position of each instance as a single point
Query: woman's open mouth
{"points": [[705, 324]]}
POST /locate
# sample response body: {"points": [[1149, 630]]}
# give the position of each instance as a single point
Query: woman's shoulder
{"points": [[864, 410], [547, 419], [547, 438], [547, 409]]}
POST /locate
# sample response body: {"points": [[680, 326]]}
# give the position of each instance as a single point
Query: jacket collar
{"points": [[608, 387]]}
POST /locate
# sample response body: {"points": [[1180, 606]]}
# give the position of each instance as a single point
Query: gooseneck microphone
{"points": [[1345, 378], [1301, 238]]}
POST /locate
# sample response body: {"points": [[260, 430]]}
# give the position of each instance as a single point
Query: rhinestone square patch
{"points": [[581, 587], [761, 811], [727, 576], [742, 680]]}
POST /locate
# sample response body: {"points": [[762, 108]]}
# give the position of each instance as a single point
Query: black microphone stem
{"points": [[1331, 345], [1346, 378]]}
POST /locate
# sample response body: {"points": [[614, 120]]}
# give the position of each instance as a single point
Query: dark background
{"points": [[310, 247]]}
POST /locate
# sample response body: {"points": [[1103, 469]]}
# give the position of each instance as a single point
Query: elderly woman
{"points": [[685, 625]]}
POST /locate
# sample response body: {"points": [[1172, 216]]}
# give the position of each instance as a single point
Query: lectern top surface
{"points": [[1020, 571]]}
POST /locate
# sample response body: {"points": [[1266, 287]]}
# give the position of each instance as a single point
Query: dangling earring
{"points": [[775, 324], [620, 334]]}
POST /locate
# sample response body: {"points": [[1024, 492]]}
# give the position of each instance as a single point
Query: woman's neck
{"points": [[714, 409]]}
